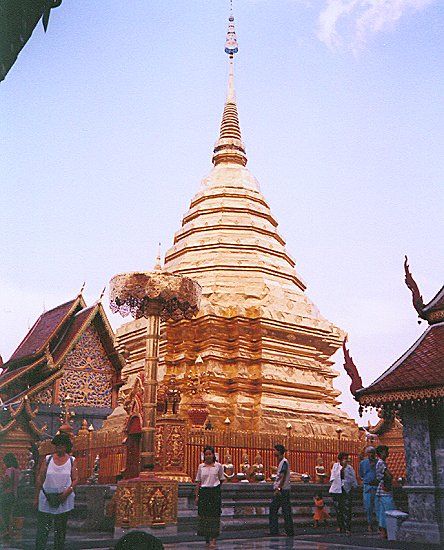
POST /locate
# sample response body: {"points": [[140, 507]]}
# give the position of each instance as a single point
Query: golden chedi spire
{"points": [[229, 146], [264, 343]]}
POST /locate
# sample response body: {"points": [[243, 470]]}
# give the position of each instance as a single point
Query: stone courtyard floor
{"points": [[307, 539], [330, 541]]}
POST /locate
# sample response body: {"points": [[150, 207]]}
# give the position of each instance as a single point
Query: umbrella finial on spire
{"points": [[231, 46], [158, 266], [229, 147]]}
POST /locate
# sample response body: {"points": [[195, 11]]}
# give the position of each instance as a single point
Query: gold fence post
{"points": [[339, 432], [288, 427]]}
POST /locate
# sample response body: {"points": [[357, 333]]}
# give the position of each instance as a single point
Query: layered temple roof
{"points": [[418, 374], [38, 360], [45, 328]]}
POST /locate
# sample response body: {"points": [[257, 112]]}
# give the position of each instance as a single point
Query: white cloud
{"points": [[353, 21], [329, 19]]}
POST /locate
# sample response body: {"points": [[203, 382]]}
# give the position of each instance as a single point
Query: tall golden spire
{"points": [[229, 147]]}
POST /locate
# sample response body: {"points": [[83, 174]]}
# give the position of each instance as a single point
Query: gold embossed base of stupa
{"points": [[147, 502], [265, 347]]}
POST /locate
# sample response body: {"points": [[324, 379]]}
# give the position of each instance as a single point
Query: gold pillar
{"points": [[148, 501], [149, 393]]}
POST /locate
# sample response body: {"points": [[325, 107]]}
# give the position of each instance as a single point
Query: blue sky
{"points": [[109, 119]]}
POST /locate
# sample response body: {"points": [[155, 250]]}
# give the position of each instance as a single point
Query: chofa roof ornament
{"points": [[351, 370]]}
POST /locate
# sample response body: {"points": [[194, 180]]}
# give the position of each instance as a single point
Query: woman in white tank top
{"points": [[55, 493]]}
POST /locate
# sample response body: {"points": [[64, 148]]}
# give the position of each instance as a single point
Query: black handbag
{"points": [[54, 499]]}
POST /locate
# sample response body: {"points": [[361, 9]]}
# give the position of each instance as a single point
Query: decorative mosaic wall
{"points": [[88, 373]]}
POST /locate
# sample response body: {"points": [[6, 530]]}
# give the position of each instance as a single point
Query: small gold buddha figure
{"points": [[244, 474], [257, 471], [228, 468], [321, 475]]}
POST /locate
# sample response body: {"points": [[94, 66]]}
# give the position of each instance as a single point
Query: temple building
{"points": [[411, 391], [67, 363], [260, 342]]}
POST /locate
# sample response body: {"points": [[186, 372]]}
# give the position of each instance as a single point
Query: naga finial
{"points": [[351, 370], [418, 302]]}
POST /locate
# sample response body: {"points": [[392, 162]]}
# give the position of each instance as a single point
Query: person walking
{"points": [[208, 497], [281, 495], [384, 492], [54, 498], [343, 481], [9, 488], [367, 473]]}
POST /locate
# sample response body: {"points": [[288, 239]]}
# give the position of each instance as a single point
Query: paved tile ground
{"points": [[265, 544], [305, 539], [306, 542]]}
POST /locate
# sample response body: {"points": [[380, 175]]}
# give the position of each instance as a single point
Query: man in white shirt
{"points": [[281, 495], [343, 481]]}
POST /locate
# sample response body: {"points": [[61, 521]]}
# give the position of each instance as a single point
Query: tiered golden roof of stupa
{"points": [[264, 344]]}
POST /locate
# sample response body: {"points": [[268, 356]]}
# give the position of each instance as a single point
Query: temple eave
{"points": [[398, 396]]}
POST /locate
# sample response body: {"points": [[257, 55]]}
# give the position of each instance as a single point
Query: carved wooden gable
{"points": [[88, 373]]}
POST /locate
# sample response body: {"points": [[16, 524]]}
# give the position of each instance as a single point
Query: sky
{"points": [[108, 122]]}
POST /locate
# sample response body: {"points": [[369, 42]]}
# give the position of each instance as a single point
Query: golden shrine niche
{"points": [[153, 504]]}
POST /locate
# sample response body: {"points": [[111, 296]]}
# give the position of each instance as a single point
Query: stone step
{"points": [[297, 511]]}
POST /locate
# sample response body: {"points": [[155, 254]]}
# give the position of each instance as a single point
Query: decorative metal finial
{"points": [[158, 265], [231, 46], [229, 147]]}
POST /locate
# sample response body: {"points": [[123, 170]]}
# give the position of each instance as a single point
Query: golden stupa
{"points": [[263, 345]]}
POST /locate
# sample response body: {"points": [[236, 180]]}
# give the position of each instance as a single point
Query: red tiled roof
{"points": [[42, 330], [422, 366], [72, 332], [65, 341], [396, 464]]}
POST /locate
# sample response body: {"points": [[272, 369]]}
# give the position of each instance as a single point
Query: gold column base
{"points": [[146, 501], [170, 443]]}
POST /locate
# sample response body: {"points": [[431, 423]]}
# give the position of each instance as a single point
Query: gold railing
{"points": [[303, 451]]}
